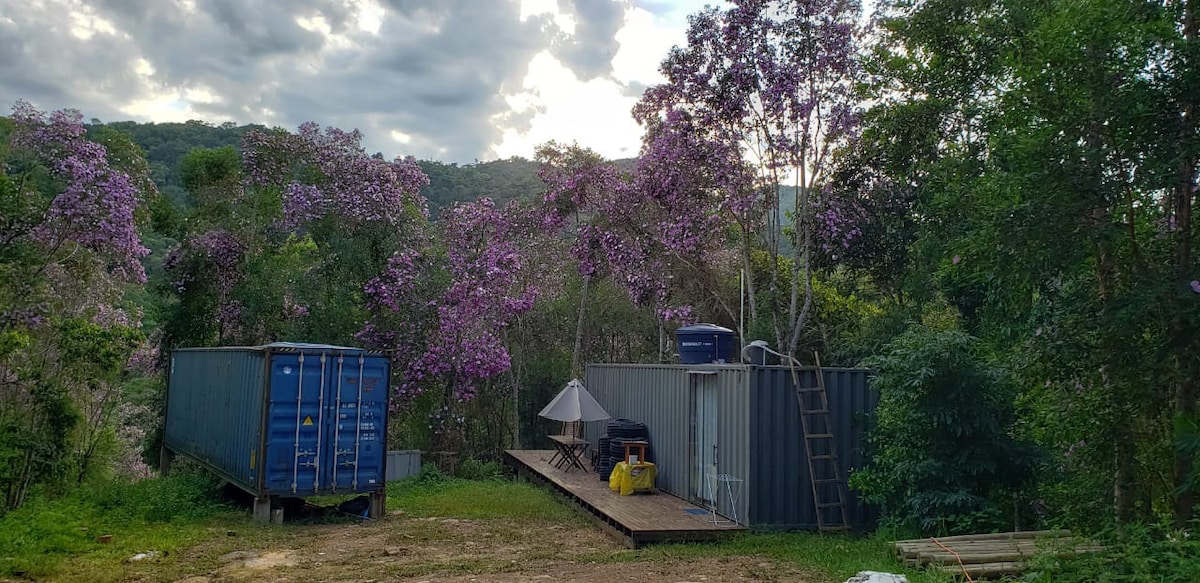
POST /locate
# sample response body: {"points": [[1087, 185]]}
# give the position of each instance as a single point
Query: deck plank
{"points": [[643, 518]]}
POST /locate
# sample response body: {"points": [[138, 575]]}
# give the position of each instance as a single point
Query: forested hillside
{"points": [[166, 144]]}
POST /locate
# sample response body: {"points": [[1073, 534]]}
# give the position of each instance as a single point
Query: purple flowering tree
{"points": [[657, 234], [444, 310], [69, 249], [485, 293], [328, 174], [355, 211], [94, 203], [289, 232], [690, 191], [207, 269], [579, 182], [773, 81]]}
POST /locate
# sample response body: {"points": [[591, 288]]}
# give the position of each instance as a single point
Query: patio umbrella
{"points": [[574, 403]]}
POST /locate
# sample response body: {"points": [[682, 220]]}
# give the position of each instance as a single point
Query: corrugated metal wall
{"points": [[656, 396], [661, 397], [220, 428], [779, 488], [758, 434]]}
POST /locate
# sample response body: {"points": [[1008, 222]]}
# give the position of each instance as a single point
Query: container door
{"points": [[357, 430], [294, 423], [704, 427]]}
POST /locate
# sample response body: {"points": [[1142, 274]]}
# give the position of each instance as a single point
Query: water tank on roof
{"points": [[704, 343]]}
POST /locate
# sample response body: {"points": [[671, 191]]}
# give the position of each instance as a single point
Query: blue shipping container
{"points": [[282, 419]]}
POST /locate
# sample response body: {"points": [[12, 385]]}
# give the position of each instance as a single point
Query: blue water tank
{"points": [[704, 343]]}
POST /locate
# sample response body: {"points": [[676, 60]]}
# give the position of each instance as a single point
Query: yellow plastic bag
{"points": [[629, 478]]}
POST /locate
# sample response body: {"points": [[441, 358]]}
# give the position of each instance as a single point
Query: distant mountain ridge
{"points": [[449, 183]]}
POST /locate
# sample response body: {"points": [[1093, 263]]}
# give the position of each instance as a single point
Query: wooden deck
{"points": [[635, 520]]}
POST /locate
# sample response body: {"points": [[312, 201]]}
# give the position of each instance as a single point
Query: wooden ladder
{"points": [[820, 447]]}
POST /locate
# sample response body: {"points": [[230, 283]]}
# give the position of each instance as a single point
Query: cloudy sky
{"points": [[454, 80]]}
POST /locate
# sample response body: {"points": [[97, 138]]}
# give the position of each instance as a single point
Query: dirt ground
{"points": [[402, 548]]}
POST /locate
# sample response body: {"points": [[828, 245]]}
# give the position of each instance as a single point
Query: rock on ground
{"points": [[877, 577]]}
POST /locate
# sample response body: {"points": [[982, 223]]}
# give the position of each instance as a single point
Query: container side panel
{"points": [[403, 463], [662, 397], [293, 422], [214, 411], [733, 438], [659, 397], [780, 492], [358, 424]]}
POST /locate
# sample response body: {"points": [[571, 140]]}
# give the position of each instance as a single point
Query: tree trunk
{"points": [[1124, 477], [1124, 448], [748, 277], [576, 364], [514, 377], [661, 333], [798, 318], [1182, 197], [773, 250], [1185, 498]]}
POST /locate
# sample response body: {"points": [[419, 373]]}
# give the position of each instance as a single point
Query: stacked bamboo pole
{"points": [[990, 555]]}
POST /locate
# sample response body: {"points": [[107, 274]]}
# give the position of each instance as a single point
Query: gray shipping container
{"points": [[742, 420], [403, 463], [282, 420]]}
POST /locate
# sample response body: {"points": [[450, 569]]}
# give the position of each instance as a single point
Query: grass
{"points": [[837, 557], [181, 516], [39, 539], [478, 500]]}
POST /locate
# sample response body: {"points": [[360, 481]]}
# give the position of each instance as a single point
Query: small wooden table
{"points": [[640, 446], [569, 451]]}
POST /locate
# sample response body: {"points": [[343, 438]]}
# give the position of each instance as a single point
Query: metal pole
{"points": [[296, 444], [742, 308], [358, 421], [337, 420], [320, 428]]}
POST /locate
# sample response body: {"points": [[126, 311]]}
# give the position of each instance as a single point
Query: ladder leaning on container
{"points": [[824, 471]]}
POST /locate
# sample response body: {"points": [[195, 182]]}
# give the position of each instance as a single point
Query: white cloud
{"points": [[454, 79], [370, 16], [315, 24], [166, 107], [645, 40], [594, 113], [201, 94], [143, 67], [85, 24]]}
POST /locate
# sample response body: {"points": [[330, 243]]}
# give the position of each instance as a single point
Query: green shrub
{"points": [[182, 496], [1139, 553], [45, 532], [474, 469], [430, 474], [944, 456]]}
